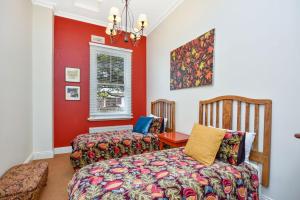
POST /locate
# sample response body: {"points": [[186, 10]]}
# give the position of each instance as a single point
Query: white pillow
{"points": [[165, 121], [248, 144]]}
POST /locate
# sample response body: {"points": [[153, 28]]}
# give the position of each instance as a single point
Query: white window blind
{"points": [[110, 82]]}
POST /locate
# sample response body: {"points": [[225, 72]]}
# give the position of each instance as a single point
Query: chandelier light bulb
{"points": [[136, 35], [142, 20], [110, 30], [132, 36], [114, 15], [110, 25], [114, 11], [143, 17]]}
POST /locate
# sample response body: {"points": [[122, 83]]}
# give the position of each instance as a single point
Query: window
{"points": [[110, 82]]}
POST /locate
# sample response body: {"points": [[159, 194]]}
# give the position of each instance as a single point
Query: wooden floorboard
{"points": [[60, 173]]}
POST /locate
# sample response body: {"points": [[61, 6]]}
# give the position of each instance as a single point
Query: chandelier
{"points": [[132, 32]]}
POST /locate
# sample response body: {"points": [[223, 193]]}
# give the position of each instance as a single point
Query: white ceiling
{"points": [[96, 11]]}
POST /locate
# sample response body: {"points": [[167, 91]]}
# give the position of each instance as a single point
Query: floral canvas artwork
{"points": [[192, 64]]}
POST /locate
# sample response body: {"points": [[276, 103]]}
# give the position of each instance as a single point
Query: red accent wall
{"points": [[71, 48]]}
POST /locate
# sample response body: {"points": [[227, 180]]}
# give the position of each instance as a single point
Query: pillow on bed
{"points": [[248, 145], [142, 125], [232, 148], [164, 124], [157, 125], [204, 143]]}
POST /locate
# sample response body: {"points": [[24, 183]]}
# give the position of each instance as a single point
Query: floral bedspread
{"points": [[162, 175], [94, 147]]}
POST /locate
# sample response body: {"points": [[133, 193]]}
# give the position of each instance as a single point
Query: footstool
{"points": [[24, 182]]}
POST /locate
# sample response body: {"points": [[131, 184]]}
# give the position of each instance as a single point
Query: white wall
{"points": [[257, 50], [15, 82], [42, 76]]}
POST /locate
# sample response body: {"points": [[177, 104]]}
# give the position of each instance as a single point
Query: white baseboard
{"points": [[28, 159], [48, 154], [264, 197], [62, 150], [43, 155]]}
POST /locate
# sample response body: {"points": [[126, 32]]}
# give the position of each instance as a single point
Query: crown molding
{"points": [[79, 18], [164, 16], [44, 3]]}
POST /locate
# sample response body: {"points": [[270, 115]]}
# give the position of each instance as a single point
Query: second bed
{"points": [[93, 147]]}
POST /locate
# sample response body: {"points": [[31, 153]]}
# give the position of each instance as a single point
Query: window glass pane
{"points": [[117, 75], [110, 69], [110, 98], [103, 68]]}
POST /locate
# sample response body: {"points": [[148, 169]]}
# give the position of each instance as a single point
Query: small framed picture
{"points": [[72, 93], [72, 75]]}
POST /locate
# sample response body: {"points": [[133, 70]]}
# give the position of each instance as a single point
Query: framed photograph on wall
{"points": [[72, 93], [72, 75]]}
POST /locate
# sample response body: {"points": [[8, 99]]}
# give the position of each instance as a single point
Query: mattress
{"points": [[95, 147], [168, 174]]}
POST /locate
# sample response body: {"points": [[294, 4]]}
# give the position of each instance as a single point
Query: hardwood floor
{"points": [[60, 173]]}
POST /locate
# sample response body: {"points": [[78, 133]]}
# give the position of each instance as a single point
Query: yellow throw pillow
{"points": [[204, 143]]}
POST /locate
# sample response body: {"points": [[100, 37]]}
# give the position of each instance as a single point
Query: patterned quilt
{"points": [[94, 147], [162, 175]]}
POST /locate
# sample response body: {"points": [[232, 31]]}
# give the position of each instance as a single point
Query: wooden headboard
{"points": [[166, 109], [228, 109]]}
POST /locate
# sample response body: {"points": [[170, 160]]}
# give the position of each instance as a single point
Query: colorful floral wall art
{"points": [[192, 63]]}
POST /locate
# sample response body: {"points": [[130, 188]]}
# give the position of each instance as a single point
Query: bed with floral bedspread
{"points": [[94, 147], [162, 175]]}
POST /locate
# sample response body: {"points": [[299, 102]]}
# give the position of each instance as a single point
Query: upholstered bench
{"points": [[24, 182]]}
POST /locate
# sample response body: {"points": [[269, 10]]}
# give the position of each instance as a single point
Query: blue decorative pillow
{"points": [[143, 125]]}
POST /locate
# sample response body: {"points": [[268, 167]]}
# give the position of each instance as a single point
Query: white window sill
{"points": [[108, 118]]}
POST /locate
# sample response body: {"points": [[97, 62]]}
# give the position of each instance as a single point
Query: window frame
{"points": [[126, 54]]}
